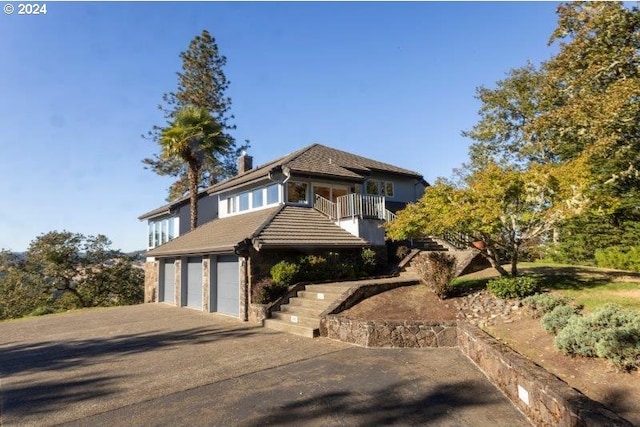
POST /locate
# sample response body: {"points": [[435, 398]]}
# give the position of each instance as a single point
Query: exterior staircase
{"points": [[428, 244], [301, 316]]}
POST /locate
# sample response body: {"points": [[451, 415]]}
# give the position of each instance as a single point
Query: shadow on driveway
{"points": [[387, 406], [60, 355]]}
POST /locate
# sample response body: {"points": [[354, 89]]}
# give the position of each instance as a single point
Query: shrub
{"points": [[266, 291], [577, 338], [620, 258], [369, 259], [345, 270], [513, 287], [621, 346], [313, 267], [557, 319], [402, 251], [611, 332], [541, 304], [436, 270], [284, 273]]}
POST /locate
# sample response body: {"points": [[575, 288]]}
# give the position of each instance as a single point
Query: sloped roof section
{"points": [[325, 160], [170, 207], [318, 159], [297, 226], [217, 236]]}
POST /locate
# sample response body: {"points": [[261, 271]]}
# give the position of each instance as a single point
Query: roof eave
{"points": [[195, 252]]}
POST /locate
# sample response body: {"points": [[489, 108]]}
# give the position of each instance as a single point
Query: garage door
{"points": [[194, 282], [169, 281], [228, 284]]}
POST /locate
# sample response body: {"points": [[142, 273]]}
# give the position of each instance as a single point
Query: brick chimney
{"points": [[245, 163]]}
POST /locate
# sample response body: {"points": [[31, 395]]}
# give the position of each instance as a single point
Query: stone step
{"points": [[292, 328], [296, 319]]}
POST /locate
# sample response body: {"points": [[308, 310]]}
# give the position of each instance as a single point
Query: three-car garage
{"points": [[209, 283]]}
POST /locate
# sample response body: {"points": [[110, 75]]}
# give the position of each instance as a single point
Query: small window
{"points": [[172, 228], [297, 192], [257, 199], [243, 202], [231, 204], [373, 187], [164, 225], [156, 240], [388, 189], [272, 194], [150, 227]]}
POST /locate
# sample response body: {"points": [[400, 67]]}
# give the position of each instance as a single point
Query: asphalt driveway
{"points": [[159, 365]]}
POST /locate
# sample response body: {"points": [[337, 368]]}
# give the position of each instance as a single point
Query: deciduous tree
{"points": [[505, 208]]}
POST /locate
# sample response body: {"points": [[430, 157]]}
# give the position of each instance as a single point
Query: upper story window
{"points": [[257, 198], [379, 188], [273, 195], [243, 202], [161, 231], [297, 192], [253, 199]]}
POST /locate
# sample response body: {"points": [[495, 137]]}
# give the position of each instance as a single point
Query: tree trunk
{"points": [[491, 255], [192, 174], [514, 260]]}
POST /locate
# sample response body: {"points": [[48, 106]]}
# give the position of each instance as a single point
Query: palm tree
{"points": [[193, 137]]}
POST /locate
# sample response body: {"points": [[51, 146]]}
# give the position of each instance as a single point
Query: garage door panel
{"points": [[194, 282], [169, 278], [228, 285]]}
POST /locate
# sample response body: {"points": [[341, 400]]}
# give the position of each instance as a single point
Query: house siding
{"points": [[207, 210]]}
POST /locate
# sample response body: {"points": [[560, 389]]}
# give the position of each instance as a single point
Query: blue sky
{"points": [[391, 81]]}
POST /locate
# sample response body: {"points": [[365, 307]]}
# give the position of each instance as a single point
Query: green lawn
{"points": [[589, 286]]}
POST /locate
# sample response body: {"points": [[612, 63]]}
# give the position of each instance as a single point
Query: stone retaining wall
{"points": [[369, 333], [544, 398]]}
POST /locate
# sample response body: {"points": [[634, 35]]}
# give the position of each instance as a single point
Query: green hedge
{"points": [[513, 287], [619, 258]]}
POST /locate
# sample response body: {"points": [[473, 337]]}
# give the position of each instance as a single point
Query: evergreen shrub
{"points": [[557, 319], [513, 287]]}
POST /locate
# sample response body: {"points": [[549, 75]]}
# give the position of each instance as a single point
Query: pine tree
{"points": [[201, 84]]}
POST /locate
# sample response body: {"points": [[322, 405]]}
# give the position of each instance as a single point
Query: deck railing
{"points": [[326, 207], [354, 206]]}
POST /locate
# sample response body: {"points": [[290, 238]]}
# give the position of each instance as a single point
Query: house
{"points": [[313, 199]]}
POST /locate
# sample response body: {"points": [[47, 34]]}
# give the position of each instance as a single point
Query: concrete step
{"points": [[320, 304], [319, 295], [292, 328], [296, 319], [336, 288], [301, 311]]}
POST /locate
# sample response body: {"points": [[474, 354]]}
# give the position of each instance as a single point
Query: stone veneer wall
{"points": [[150, 281], [371, 333], [544, 398]]}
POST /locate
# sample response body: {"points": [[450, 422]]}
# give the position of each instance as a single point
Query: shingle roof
{"points": [[281, 226], [297, 226], [317, 159], [217, 236], [169, 207]]}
